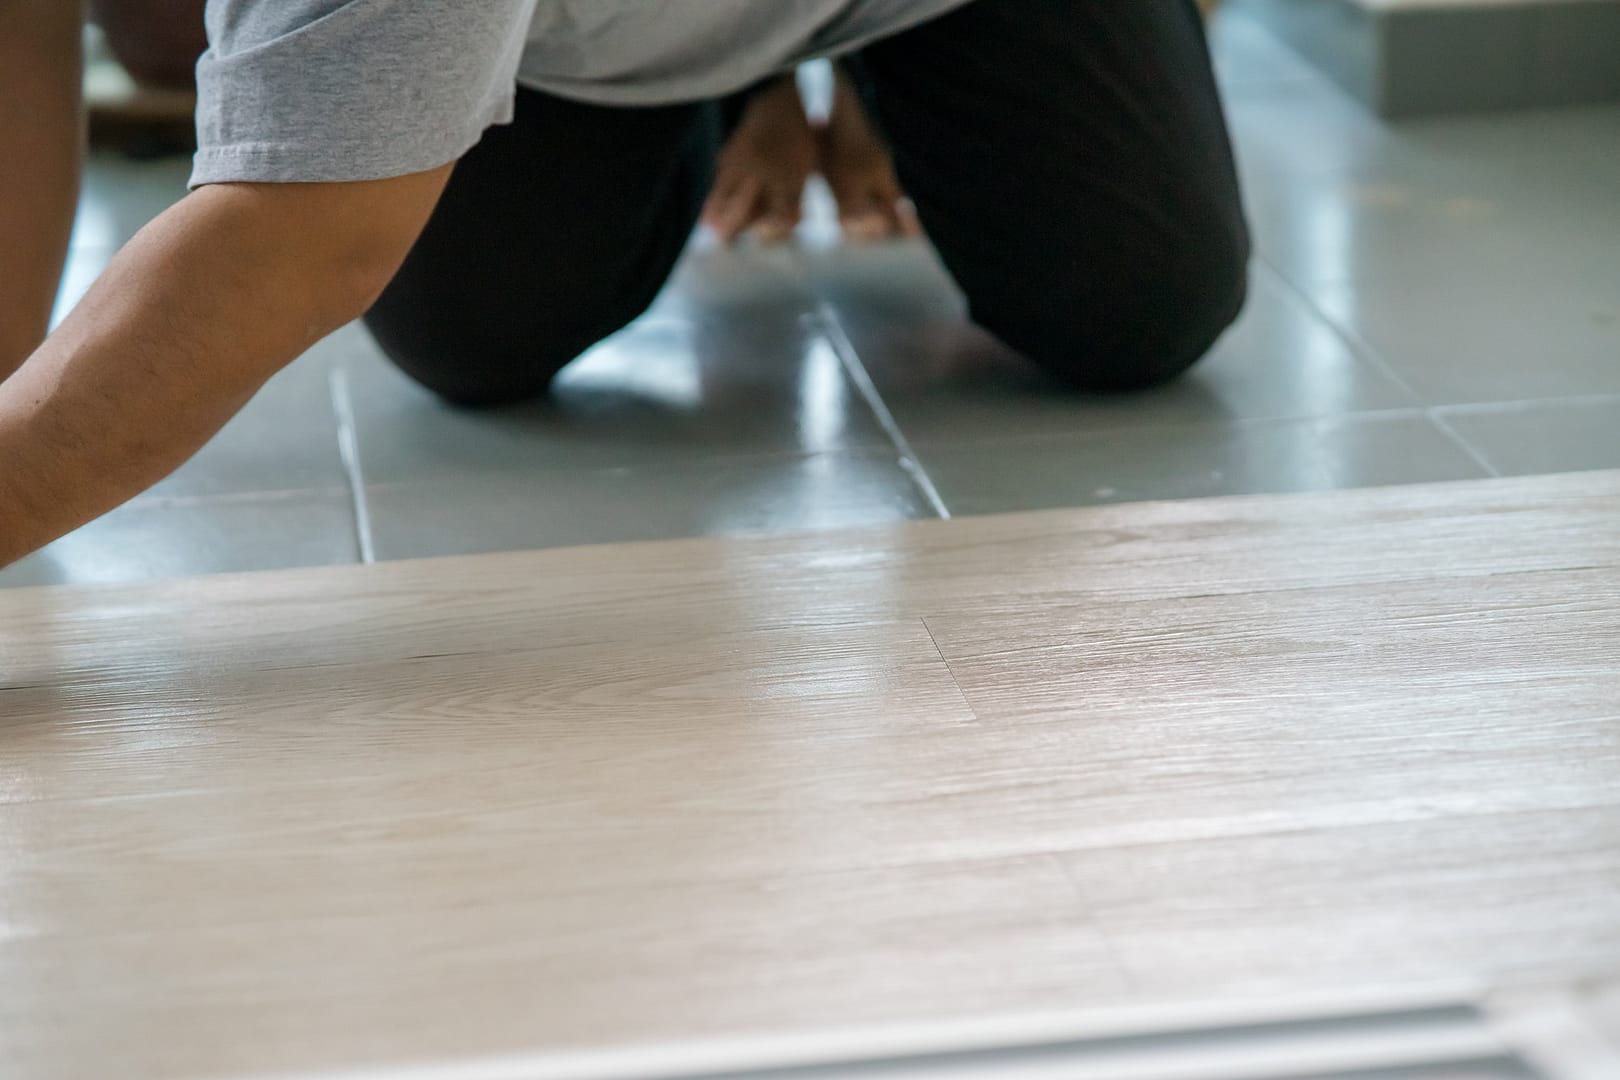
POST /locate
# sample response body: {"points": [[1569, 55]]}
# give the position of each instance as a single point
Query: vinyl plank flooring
{"points": [[1002, 564], [1519, 896], [581, 969], [812, 683], [685, 797], [1568, 1028], [1601, 1001], [1501, 691]]}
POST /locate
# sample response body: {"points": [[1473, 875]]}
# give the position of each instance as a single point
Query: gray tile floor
{"points": [[1432, 300]]}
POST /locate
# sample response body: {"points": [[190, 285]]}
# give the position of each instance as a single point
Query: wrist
{"points": [[777, 101]]}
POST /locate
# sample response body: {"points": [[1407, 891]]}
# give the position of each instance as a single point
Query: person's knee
{"points": [[468, 370], [478, 386], [478, 394], [1143, 327]]}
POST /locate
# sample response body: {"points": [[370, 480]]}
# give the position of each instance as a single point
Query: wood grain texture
{"points": [[1569, 1031], [1601, 1001], [553, 802]]}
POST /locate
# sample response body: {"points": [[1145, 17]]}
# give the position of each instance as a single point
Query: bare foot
{"points": [[761, 172], [857, 166]]}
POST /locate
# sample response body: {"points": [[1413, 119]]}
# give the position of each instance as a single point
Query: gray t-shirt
{"points": [[303, 90]]}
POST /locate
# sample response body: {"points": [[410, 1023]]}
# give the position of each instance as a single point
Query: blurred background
{"points": [[1434, 189]]}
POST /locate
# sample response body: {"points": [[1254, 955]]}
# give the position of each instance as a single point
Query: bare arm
{"points": [[184, 326], [40, 77]]}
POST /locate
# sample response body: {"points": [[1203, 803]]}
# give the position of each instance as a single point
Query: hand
{"points": [[852, 157], [761, 172]]}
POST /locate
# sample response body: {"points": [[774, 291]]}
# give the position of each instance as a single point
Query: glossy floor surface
{"points": [[776, 792], [1431, 301]]}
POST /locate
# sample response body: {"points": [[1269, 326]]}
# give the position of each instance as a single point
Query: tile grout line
{"points": [[1359, 346], [844, 348], [1363, 350], [1478, 458], [1560, 401], [1434, 414], [349, 451]]}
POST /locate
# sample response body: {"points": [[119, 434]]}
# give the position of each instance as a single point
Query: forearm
{"points": [[40, 78], [186, 323]]}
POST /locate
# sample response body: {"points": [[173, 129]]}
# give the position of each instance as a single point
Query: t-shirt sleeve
{"points": [[320, 90]]}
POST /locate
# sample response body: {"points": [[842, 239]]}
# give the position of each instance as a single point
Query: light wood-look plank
{"points": [[1568, 1031], [1601, 1001], [1200, 717], [1522, 896], [559, 802], [671, 590]]}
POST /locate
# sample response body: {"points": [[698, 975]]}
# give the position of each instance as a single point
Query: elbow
{"points": [[348, 270], [339, 244], [355, 283]]}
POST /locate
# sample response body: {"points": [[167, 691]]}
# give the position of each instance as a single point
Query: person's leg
{"points": [[1071, 163], [553, 233]]}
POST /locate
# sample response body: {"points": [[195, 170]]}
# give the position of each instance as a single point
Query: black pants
{"points": [[1068, 159]]}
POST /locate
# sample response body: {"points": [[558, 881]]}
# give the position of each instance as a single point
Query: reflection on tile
{"points": [[1311, 129], [1189, 462], [662, 390], [1526, 438], [882, 284], [1307, 131], [1247, 53], [1282, 359], [158, 539], [1335, 195], [819, 229], [1487, 331], [1341, 39], [946, 382], [1348, 228], [120, 195], [484, 512], [746, 281], [286, 439]]}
